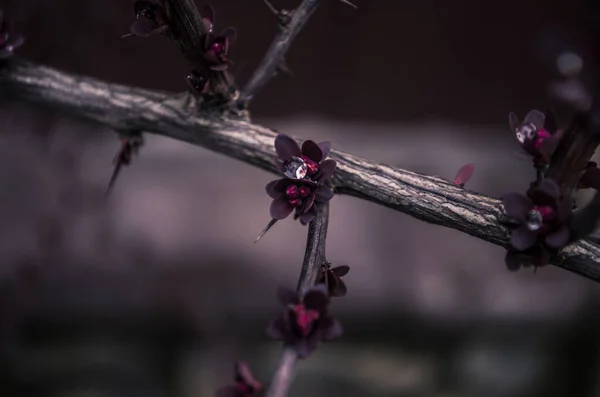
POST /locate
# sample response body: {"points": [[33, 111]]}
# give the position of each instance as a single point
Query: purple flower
{"points": [[537, 134], [306, 163], [151, 18], [8, 42], [332, 279], [216, 46], [305, 322], [299, 195], [543, 213], [245, 384], [536, 256]]}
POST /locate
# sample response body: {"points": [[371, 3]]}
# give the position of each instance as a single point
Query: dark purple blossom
{"points": [[151, 18], [299, 195], [216, 46], [245, 384], [305, 322], [464, 174], [542, 215], [332, 279], [307, 162], [537, 134], [536, 256], [9, 42]]}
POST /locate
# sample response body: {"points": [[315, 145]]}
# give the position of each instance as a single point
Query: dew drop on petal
{"points": [[294, 168], [534, 220]]}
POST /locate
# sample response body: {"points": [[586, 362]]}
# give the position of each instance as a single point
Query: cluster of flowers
{"points": [[543, 214], [152, 19]]}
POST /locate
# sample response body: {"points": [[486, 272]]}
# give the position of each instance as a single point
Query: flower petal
{"points": [[512, 260], [325, 148], [220, 68], [280, 208], [591, 178], [311, 150], [286, 147], [331, 329], [517, 206], [308, 203], [287, 296], [464, 174], [536, 118], [144, 27], [340, 271], [326, 170], [272, 189], [316, 298], [558, 238], [305, 219], [323, 193], [522, 238], [230, 33], [208, 13]]}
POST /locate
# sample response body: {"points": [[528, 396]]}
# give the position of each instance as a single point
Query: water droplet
{"points": [[534, 220], [526, 131], [295, 168]]}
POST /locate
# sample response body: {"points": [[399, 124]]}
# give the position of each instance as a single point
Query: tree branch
{"points": [[280, 45], [428, 198], [314, 257]]}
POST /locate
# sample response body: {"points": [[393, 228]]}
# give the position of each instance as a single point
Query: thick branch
{"points": [[428, 198], [314, 257], [280, 45]]}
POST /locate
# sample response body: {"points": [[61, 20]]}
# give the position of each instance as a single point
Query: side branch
{"points": [[428, 198], [280, 45]]}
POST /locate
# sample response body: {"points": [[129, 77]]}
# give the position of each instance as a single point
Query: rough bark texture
{"points": [[428, 198]]}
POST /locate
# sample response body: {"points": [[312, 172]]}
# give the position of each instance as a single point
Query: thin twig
{"points": [[314, 256], [427, 198], [280, 45]]}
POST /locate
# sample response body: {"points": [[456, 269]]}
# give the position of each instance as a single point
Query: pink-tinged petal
{"points": [[276, 329], [536, 118], [546, 193], [522, 238], [286, 147], [331, 329], [550, 123], [323, 193], [558, 238], [316, 298], [311, 150], [286, 296], [517, 206], [464, 174], [325, 148], [326, 170], [280, 208], [513, 122], [340, 270]]}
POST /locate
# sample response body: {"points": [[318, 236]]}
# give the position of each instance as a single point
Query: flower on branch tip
{"points": [[537, 134], [305, 322], [289, 195], [245, 384], [464, 174], [542, 215], [590, 177], [150, 18], [216, 46], [304, 163], [331, 277], [9, 42]]}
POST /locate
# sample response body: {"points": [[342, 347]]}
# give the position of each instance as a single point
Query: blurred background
{"points": [[156, 291]]}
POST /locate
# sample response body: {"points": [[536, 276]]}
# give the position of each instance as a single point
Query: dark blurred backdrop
{"points": [[156, 291]]}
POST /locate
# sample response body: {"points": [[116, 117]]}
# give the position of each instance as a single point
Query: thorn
{"points": [[127, 35], [271, 7], [113, 178], [347, 2], [284, 68], [265, 230]]}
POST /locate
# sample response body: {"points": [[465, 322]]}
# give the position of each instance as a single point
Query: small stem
{"points": [[280, 45], [314, 256]]}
